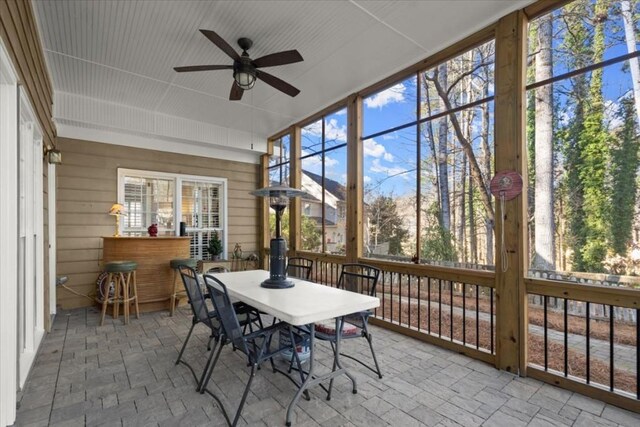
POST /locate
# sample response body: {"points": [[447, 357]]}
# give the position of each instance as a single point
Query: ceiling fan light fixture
{"points": [[245, 77]]}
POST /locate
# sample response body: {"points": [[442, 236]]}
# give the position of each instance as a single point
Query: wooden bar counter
{"points": [[154, 275]]}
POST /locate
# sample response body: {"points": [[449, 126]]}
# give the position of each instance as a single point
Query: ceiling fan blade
{"points": [[281, 85], [236, 92], [221, 43], [202, 68], [280, 58]]}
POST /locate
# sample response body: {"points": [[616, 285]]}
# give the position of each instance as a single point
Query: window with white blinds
{"points": [[148, 201], [201, 212], [167, 199]]}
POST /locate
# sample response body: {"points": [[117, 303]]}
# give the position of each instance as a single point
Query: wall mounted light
{"points": [[54, 156]]}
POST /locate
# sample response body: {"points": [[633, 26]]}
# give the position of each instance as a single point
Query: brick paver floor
{"points": [[126, 376]]}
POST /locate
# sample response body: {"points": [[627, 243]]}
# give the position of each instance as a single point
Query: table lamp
{"points": [[279, 196], [117, 210]]}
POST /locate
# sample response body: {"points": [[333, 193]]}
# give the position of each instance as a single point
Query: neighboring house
{"points": [[335, 208]]}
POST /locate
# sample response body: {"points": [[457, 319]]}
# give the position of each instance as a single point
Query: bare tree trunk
{"points": [[630, 36], [486, 162], [432, 142], [476, 174], [544, 255], [454, 194], [443, 158], [460, 237], [473, 238]]}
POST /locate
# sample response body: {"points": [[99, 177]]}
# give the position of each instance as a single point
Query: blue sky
{"points": [[390, 159]]}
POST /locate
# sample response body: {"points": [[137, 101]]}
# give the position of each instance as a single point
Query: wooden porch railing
{"points": [[581, 337]]}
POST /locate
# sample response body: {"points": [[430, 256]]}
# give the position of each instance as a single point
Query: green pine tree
{"points": [[594, 156], [437, 242], [576, 41], [387, 224], [311, 235], [624, 159]]}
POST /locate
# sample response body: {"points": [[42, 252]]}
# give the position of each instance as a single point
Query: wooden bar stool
{"points": [[178, 289], [123, 276]]}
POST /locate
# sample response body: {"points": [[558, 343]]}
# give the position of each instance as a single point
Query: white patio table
{"points": [[304, 304]]}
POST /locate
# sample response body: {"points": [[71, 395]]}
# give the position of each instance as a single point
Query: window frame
{"points": [[178, 179], [320, 117], [422, 118]]}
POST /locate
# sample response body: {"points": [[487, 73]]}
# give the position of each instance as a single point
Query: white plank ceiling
{"points": [[112, 62]]}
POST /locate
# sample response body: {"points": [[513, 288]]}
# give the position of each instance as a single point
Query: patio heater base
{"points": [[277, 284]]}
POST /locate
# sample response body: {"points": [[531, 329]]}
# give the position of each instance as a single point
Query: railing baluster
{"points": [[566, 337], [491, 318], [326, 274], [611, 369], [464, 313], [419, 302], [409, 299], [440, 308], [429, 304], [332, 273], [384, 294], [399, 298], [477, 316], [451, 310], [546, 340], [588, 339], [391, 294]]}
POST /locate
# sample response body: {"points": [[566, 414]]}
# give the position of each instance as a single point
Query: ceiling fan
{"points": [[245, 69]]}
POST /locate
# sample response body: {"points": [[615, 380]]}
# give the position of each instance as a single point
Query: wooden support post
{"points": [[263, 206], [295, 181], [510, 154], [355, 203]]}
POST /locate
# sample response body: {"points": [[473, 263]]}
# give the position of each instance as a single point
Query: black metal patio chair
{"points": [[204, 314], [359, 278], [255, 345], [300, 267]]}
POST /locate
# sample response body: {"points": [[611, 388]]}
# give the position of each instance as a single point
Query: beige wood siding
{"points": [[20, 35], [87, 187]]}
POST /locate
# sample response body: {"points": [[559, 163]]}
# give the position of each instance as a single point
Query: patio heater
{"points": [[279, 196]]}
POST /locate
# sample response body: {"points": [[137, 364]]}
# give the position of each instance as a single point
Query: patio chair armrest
{"points": [[241, 307], [266, 332], [357, 318], [300, 330]]}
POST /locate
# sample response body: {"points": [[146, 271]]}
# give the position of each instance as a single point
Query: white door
{"points": [[30, 239], [51, 205], [8, 236]]}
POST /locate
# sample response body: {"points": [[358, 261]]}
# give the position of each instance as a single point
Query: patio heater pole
{"points": [[278, 200]]}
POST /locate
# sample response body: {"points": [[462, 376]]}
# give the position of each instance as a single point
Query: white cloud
{"points": [[332, 131], [389, 171], [394, 94], [366, 179], [314, 129], [314, 163], [330, 162], [611, 118], [373, 149]]}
